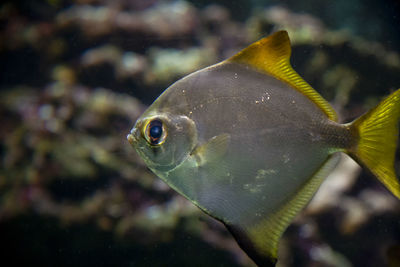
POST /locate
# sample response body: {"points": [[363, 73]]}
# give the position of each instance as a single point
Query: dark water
{"points": [[75, 75]]}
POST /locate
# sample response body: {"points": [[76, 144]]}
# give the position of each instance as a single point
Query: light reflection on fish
{"points": [[249, 142]]}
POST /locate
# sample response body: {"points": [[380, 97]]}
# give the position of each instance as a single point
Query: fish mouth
{"points": [[133, 137]]}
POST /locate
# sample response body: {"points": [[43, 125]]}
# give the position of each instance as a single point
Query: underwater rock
{"points": [[169, 64], [131, 66], [166, 20], [303, 26], [73, 83], [92, 20]]}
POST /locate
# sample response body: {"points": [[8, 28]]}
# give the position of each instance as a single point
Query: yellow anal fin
{"points": [[271, 55], [377, 133], [260, 239]]}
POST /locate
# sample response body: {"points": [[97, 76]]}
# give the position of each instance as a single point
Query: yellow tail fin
{"points": [[378, 132]]}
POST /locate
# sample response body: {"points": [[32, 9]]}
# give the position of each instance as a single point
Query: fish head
{"points": [[163, 139]]}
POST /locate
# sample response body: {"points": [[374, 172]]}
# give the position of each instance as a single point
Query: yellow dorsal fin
{"points": [[272, 55]]}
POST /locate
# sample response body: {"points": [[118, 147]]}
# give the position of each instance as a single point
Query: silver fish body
{"points": [[249, 142], [278, 139]]}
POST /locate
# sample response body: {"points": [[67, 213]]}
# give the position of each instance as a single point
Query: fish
{"points": [[249, 142]]}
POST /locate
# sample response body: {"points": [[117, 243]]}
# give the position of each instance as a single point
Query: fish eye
{"points": [[155, 132]]}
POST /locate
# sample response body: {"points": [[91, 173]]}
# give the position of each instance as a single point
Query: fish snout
{"points": [[134, 136]]}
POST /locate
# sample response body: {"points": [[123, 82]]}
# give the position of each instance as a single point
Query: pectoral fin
{"points": [[211, 151], [260, 238]]}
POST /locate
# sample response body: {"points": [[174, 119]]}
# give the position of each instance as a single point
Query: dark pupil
{"points": [[155, 131]]}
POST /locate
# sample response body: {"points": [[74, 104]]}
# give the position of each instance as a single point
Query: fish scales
{"points": [[249, 142], [263, 133]]}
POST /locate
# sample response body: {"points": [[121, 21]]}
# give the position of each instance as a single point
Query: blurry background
{"points": [[75, 75]]}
